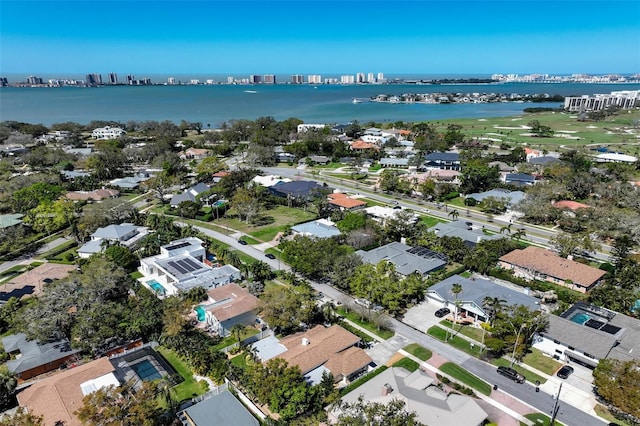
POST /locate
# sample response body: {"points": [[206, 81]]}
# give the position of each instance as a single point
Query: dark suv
{"points": [[512, 374]]}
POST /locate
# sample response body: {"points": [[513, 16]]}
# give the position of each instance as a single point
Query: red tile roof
{"points": [[343, 200], [360, 144], [568, 204], [545, 262]]}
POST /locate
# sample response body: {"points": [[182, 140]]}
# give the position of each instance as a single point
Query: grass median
{"points": [[418, 351]]}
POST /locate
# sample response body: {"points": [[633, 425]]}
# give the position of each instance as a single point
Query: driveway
{"points": [[422, 316]]}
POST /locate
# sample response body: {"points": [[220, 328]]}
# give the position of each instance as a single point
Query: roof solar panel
{"points": [[177, 267], [611, 329], [186, 265], [194, 265], [594, 324], [177, 246]]}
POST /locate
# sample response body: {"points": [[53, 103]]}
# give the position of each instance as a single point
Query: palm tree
{"points": [[328, 311], [454, 214], [456, 289], [506, 229], [519, 234], [237, 331]]}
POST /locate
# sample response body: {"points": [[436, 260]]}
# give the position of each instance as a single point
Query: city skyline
{"points": [[322, 37]]}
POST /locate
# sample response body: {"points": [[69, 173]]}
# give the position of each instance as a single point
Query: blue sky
{"points": [[72, 38]]}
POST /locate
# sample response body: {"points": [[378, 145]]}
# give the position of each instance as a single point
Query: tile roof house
{"points": [[432, 405], [571, 205], [181, 266], [474, 291], [320, 228], [587, 334], [227, 306], [194, 153], [343, 202], [221, 409], [406, 259], [361, 145], [32, 282], [126, 234], [96, 195], [30, 358], [322, 349], [57, 397], [537, 263]]}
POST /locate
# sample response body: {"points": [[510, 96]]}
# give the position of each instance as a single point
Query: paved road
{"points": [[535, 234], [541, 401]]}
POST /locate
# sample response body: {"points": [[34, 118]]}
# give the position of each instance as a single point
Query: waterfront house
{"points": [[107, 132], [535, 263]]}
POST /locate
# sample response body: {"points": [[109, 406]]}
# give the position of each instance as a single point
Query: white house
{"points": [[126, 234], [181, 266], [107, 132]]}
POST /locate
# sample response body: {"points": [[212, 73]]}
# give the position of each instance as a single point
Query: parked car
{"points": [[512, 374], [564, 372], [363, 302], [442, 312], [242, 242], [270, 256]]}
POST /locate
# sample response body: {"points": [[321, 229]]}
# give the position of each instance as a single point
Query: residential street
{"points": [[542, 401]]}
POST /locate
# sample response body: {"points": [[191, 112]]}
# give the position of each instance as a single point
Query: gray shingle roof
{"points": [[222, 409], [459, 229], [34, 354], [406, 263]]}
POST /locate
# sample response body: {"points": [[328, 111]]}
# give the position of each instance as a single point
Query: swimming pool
{"points": [[580, 317], [200, 313], [146, 371], [157, 287]]}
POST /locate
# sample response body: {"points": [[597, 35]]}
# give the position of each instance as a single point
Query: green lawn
{"points": [[250, 240], [456, 342], [245, 258], [430, 221], [353, 317], [467, 330], [407, 364], [466, 274], [189, 388], [135, 275], [418, 351], [603, 412], [465, 377], [539, 361], [540, 419], [230, 340], [529, 375], [345, 390], [282, 217]]}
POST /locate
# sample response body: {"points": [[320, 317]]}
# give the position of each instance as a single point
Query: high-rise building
{"points": [[113, 78], [171, 80], [371, 78], [315, 79], [93, 79], [34, 80], [229, 80], [297, 79], [255, 79], [381, 77], [347, 79], [360, 77], [131, 79], [269, 79]]}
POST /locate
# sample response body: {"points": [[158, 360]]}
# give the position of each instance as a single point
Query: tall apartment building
{"points": [[381, 77], [371, 78], [34, 80], [347, 79], [315, 79], [624, 99], [113, 78], [130, 79], [93, 79], [297, 79], [171, 80], [255, 79], [360, 77], [269, 79]]}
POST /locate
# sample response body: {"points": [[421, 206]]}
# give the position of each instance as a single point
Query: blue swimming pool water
{"points": [[200, 313], [580, 318], [157, 287], [146, 371]]}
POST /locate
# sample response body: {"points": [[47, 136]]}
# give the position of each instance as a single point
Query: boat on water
{"points": [[250, 91], [357, 101]]}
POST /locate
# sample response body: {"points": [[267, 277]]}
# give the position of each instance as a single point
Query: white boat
{"points": [[250, 91], [357, 101]]}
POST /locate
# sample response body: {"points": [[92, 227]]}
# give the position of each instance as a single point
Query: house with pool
{"points": [[181, 266], [585, 334], [227, 306]]}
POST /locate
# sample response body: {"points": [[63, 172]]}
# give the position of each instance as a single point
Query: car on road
{"points": [[362, 302], [319, 295], [270, 256], [512, 374], [564, 372], [442, 312], [242, 242]]}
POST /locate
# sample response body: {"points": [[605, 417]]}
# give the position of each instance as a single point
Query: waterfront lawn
{"points": [[190, 387], [407, 363], [418, 351], [463, 376]]}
